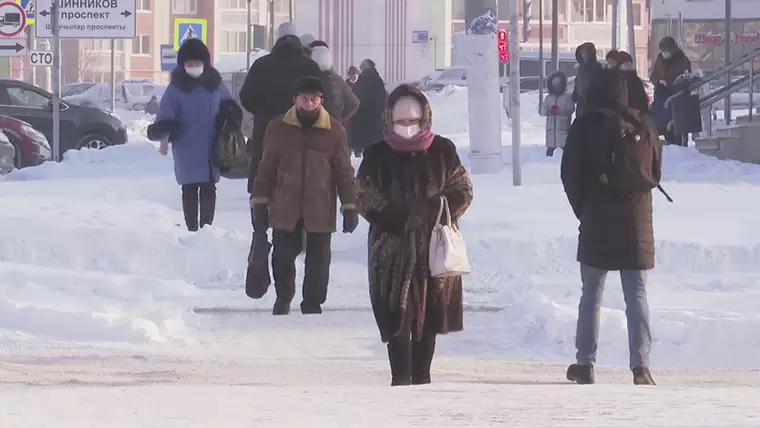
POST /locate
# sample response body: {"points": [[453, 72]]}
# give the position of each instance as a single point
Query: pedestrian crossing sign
{"points": [[28, 6], [189, 28]]}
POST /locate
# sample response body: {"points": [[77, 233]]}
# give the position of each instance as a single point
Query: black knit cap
{"points": [[194, 49], [308, 85]]}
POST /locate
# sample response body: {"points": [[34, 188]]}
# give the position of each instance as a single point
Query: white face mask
{"points": [[667, 55], [406, 131], [194, 71]]}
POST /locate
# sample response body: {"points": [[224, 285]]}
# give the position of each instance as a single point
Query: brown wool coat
{"points": [[302, 172], [669, 69], [401, 289], [616, 230]]}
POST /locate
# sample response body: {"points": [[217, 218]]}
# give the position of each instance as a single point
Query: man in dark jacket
{"points": [[637, 94], [340, 100], [615, 213], [588, 66], [267, 93], [368, 123]]}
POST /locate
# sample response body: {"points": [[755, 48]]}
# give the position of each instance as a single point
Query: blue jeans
{"points": [[636, 312]]}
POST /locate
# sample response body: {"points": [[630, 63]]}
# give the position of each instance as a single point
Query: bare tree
{"points": [[88, 62]]}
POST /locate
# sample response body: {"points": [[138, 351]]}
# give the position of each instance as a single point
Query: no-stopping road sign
{"points": [[12, 19]]}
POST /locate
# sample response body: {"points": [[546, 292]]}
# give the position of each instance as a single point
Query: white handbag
{"points": [[448, 255]]}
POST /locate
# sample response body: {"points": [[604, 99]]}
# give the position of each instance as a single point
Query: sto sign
{"points": [[503, 44]]}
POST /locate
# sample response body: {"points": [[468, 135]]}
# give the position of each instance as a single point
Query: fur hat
{"points": [[307, 38], [316, 43], [286, 29], [194, 49], [308, 85], [323, 57]]}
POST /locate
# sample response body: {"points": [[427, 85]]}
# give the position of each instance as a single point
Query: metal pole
{"points": [[271, 24], [514, 91], [555, 35], [291, 9], [751, 88], [56, 81], [631, 31], [615, 18], [113, 74], [541, 52], [248, 37], [727, 58]]}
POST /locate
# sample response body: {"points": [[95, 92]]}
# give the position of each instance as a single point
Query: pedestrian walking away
{"points": [[610, 166], [188, 119], [368, 123], [400, 186], [340, 100], [305, 164], [588, 67]]}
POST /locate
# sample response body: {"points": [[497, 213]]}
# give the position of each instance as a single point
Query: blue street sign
{"points": [[420, 37], [168, 57], [189, 28], [28, 6]]}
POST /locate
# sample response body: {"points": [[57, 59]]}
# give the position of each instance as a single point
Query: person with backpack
{"points": [[610, 165], [558, 107]]}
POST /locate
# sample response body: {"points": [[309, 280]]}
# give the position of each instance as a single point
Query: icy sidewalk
{"points": [[444, 405]]}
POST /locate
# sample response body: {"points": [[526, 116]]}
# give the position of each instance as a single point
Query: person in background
{"points": [[611, 163], [151, 107], [670, 63], [266, 94], [353, 75], [400, 186], [340, 100], [305, 165], [612, 60], [187, 118], [637, 94], [368, 123], [588, 67], [558, 108]]}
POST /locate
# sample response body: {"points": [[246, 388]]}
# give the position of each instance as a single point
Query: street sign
{"points": [[41, 58], [13, 47], [93, 19], [420, 37], [168, 57], [12, 19], [189, 28], [28, 6]]}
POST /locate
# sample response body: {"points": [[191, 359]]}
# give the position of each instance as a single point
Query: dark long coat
{"points": [[368, 123], [401, 288], [616, 230]]}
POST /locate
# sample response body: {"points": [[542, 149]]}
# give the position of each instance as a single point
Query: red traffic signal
{"points": [[503, 45]]}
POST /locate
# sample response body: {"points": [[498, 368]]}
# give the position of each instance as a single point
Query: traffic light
{"points": [[527, 16], [503, 44]]}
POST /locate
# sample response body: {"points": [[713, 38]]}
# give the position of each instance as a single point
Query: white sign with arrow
{"points": [[88, 19], [13, 47]]}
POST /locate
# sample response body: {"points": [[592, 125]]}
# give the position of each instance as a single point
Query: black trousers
{"points": [[411, 360], [287, 247], [198, 199]]}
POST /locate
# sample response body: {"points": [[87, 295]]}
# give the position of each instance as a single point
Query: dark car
{"points": [[31, 146], [80, 126]]}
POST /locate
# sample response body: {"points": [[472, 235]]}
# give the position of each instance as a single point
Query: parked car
{"points": [[80, 126], [32, 147], [7, 154], [130, 95], [76, 88]]}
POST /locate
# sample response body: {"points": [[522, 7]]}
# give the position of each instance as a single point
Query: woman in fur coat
{"points": [[399, 187]]}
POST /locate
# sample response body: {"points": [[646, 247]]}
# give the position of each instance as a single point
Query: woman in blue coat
{"points": [[189, 118]]}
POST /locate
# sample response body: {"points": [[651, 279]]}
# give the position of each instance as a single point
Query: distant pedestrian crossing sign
{"points": [[28, 6], [189, 28]]}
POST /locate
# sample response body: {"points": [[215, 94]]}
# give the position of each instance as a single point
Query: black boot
{"points": [[581, 374], [281, 307], [311, 308], [207, 202], [422, 359], [642, 376], [190, 206], [400, 357]]}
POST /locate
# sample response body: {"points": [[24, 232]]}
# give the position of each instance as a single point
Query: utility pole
{"points": [[271, 25], [248, 37], [727, 57], [555, 36], [54, 20], [113, 74], [615, 18], [514, 91]]}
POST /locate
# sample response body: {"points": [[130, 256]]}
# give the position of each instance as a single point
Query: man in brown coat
{"points": [[305, 164], [610, 166]]}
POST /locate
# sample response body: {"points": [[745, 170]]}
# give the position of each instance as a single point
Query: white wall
{"points": [[704, 9]]}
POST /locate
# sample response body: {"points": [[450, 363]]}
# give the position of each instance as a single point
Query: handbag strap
{"points": [[444, 208]]}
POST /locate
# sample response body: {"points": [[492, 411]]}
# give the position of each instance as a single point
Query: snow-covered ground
{"points": [[100, 285]]}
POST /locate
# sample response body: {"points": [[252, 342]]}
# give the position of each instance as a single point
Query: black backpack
{"points": [[633, 156]]}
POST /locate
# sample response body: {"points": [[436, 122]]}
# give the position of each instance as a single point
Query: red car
{"points": [[32, 147]]}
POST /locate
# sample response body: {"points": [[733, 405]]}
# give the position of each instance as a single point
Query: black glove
{"points": [[350, 221], [164, 128], [261, 216]]}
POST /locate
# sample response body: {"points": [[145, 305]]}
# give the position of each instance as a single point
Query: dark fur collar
{"points": [[210, 79]]}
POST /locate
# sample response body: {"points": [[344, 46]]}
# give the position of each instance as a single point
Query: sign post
{"points": [[514, 92], [103, 19]]}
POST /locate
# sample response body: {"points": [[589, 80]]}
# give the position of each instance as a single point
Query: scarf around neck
{"points": [[418, 143]]}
